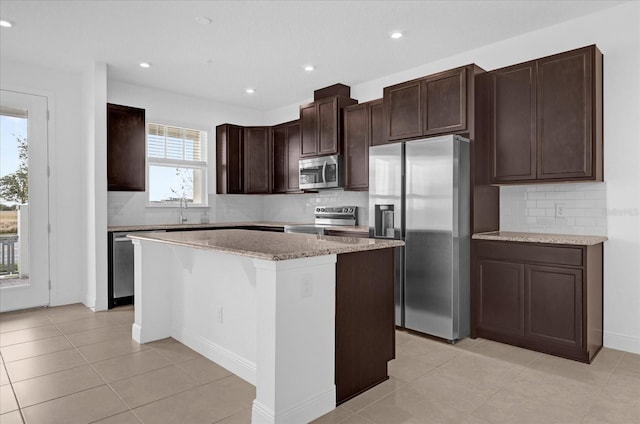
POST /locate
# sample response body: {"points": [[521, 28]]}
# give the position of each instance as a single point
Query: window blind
{"points": [[167, 142]]}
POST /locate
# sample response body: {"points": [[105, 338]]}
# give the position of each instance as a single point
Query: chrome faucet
{"points": [[182, 218]]}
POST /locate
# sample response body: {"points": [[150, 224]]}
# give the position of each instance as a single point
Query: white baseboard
{"points": [[621, 342], [304, 412], [135, 332], [90, 303], [234, 363]]}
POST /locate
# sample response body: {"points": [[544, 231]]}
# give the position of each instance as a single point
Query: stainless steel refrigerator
{"points": [[419, 193]]}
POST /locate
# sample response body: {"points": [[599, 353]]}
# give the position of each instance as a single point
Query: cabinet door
{"points": [[500, 303], [309, 130], [293, 157], [553, 310], [403, 111], [565, 136], [328, 129], [280, 160], [445, 102], [376, 123], [356, 147], [257, 164], [229, 159], [513, 123], [126, 155]]}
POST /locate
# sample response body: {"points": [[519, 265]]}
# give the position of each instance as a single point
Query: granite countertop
{"points": [[541, 238], [153, 227], [189, 226], [268, 245]]}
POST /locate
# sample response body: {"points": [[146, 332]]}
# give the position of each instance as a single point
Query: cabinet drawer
{"points": [[530, 252]]}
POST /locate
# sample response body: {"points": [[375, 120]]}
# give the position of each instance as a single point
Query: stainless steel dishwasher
{"points": [[121, 268]]}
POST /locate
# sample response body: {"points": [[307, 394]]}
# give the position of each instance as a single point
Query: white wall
{"points": [[94, 84], [67, 214]]}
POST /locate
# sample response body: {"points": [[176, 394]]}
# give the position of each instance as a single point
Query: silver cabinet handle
{"points": [[122, 239]]}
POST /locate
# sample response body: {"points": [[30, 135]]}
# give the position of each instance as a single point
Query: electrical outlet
{"points": [[561, 210]]}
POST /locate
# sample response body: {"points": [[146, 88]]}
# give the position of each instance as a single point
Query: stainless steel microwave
{"points": [[321, 172]]}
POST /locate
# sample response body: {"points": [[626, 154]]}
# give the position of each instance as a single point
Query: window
{"points": [[176, 165]]}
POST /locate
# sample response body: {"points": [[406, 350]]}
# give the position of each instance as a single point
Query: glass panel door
{"points": [[24, 201]]}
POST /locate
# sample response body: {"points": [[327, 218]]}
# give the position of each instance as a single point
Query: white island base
{"points": [[272, 323]]}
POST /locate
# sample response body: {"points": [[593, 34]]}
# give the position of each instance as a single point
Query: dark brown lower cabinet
{"points": [[539, 296], [365, 328]]}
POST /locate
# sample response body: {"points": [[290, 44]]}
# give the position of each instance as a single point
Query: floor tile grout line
{"points": [[171, 363], [178, 393], [601, 387], [97, 373], [50, 373], [361, 416]]}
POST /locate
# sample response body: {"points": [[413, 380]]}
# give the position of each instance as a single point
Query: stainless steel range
{"points": [[326, 216]]}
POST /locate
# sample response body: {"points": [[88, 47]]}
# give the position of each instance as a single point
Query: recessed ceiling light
{"points": [[396, 35], [309, 68], [250, 91], [5, 24], [203, 20], [145, 65]]}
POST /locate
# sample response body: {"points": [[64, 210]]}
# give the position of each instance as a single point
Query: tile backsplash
{"points": [[555, 208], [129, 208]]}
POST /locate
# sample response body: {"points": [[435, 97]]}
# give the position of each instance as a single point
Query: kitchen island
{"points": [[307, 319]]}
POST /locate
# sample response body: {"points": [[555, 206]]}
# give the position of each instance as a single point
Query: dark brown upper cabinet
{"points": [[257, 160], [321, 126], [229, 159], [513, 123], [377, 122], [546, 119], [126, 155], [403, 111], [243, 159], [286, 156], [362, 125], [435, 104]]}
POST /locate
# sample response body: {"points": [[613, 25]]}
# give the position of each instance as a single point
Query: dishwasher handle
{"points": [[125, 238]]}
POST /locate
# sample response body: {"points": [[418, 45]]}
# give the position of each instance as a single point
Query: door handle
{"points": [[324, 172]]}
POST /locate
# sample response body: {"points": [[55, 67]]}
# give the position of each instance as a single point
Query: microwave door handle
{"points": [[324, 172]]}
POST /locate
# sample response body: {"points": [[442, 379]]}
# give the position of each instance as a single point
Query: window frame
{"points": [[202, 165]]}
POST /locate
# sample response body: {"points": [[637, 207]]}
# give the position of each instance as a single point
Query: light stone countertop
{"points": [[268, 245], [188, 226], [540, 238], [191, 226]]}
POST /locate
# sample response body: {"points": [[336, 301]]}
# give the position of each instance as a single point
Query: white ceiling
{"points": [[263, 44]]}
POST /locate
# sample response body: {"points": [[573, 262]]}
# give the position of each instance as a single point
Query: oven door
{"points": [[305, 229]]}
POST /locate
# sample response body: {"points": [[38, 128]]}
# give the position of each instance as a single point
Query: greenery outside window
{"points": [[176, 165]]}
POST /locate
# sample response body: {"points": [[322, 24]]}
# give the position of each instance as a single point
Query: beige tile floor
{"points": [[70, 365]]}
